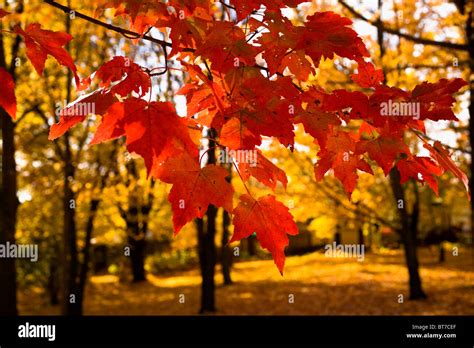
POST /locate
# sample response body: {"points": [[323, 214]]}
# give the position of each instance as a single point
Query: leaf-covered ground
{"points": [[320, 286]]}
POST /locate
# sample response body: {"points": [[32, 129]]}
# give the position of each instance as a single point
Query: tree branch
{"points": [[127, 33], [381, 26]]}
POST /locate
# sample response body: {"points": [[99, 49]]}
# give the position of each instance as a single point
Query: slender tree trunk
{"points": [[136, 240], [8, 192], [70, 304], [53, 286], [442, 253], [94, 206], [137, 212], [360, 233], [207, 256], [207, 247], [8, 209], [408, 235], [137, 257], [226, 251], [252, 245]]}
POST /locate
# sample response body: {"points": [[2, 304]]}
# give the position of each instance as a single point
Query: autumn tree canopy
{"points": [[248, 68]]}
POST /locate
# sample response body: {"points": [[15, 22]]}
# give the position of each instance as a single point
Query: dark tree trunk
{"points": [[8, 195], [207, 246], [137, 258], [53, 282], [54, 276], [207, 256], [94, 206], [360, 233], [136, 217], [252, 245], [136, 241], [442, 253], [70, 297], [8, 208], [337, 236], [408, 234], [226, 251]]}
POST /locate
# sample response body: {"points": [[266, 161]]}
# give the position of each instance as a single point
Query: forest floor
{"points": [[319, 285]]}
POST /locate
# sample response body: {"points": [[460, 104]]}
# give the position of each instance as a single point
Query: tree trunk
{"points": [[442, 253], [53, 282], [360, 233], [137, 258], [207, 246], [408, 234], [94, 206], [70, 301], [226, 251], [136, 240], [8, 208], [207, 256], [8, 194], [136, 218], [8, 188], [252, 245]]}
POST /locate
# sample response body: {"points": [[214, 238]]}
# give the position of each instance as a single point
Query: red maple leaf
{"points": [[39, 43], [367, 75], [262, 169], [384, 151], [119, 76], [142, 124], [421, 169], [235, 136], [127, 76], [340, 155], [436, 99], [195, 188], [7, 93], [442, 156], [270, 220], [336, 38], [75, 112]]}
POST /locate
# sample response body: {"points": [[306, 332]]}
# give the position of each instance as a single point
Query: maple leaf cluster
{"points": [[247, 64]]}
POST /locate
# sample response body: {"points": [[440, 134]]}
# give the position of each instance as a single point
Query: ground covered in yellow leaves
{"points": [[317, 284]]}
